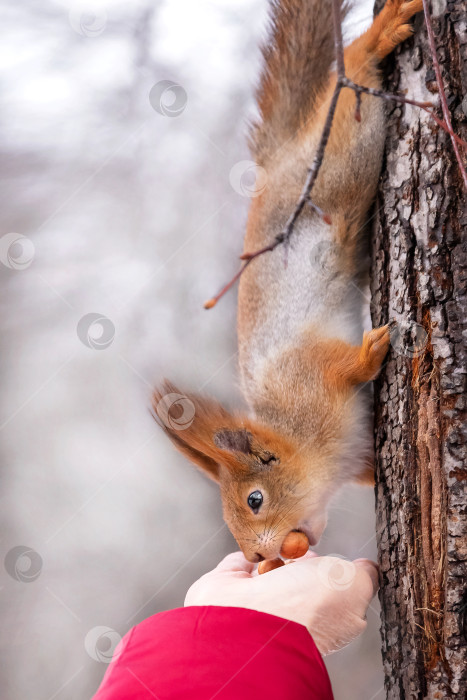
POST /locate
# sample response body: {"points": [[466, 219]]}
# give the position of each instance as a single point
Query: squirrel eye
{"points": [[255, 499]]}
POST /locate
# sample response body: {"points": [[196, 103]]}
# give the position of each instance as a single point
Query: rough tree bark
{"points": [[419, 275]]}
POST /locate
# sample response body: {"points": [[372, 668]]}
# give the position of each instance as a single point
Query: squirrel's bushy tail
{"points": [[297, 59]]}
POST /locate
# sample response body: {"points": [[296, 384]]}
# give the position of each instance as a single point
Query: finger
{"points": [[372, 569], [366, 585], [235, 562]]}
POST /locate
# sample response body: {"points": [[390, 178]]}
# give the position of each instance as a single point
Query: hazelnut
{"points": [[295, 545], [269, 565]]}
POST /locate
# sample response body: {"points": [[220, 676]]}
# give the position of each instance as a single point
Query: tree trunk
{"points": [[419, 274]]}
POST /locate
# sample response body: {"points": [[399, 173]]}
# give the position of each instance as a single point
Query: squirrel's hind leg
{"points": [[354, 151], [389, 29]]}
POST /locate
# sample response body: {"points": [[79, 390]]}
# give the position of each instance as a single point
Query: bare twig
{"points": [[427, 107], [212, 302], [343, 81], [442, 94]]}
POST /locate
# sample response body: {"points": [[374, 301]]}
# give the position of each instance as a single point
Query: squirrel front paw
{"points": [[374, 348], [345, 365]]}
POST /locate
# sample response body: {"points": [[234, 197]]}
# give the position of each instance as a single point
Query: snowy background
{"points": [[111, 208]]}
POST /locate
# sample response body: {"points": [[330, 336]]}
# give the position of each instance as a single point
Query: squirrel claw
{"points": [[374, 349]]}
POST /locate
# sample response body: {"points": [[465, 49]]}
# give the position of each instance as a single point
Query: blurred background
{"points": [[121, 131]]}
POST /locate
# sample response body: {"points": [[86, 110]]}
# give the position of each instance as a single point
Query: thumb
{"points": [[235, 562], [367, 584]]}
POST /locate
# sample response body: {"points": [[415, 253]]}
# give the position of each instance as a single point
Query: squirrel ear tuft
{"points": [[208, 465], [198, 427], [234, 440]]}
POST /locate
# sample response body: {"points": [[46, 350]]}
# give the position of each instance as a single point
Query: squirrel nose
{"points": [[259, 557]]}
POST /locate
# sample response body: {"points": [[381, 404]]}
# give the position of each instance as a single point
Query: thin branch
{"points": [[343, 81], [212, 302], [427, 107], [442, 94]]}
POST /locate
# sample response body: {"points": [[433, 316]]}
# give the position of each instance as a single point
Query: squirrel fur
{"points": [[304, 366]]}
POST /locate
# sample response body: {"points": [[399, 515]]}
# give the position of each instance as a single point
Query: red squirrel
{"points": [[303, 363]]}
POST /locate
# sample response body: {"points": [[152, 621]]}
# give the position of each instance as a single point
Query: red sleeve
{"points": [[216, 653]]}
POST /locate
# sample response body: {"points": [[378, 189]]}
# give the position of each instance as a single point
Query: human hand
{"points": [[328, 595]]}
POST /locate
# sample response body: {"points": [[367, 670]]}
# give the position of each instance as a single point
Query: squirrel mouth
{"points": [[309, 533]]}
